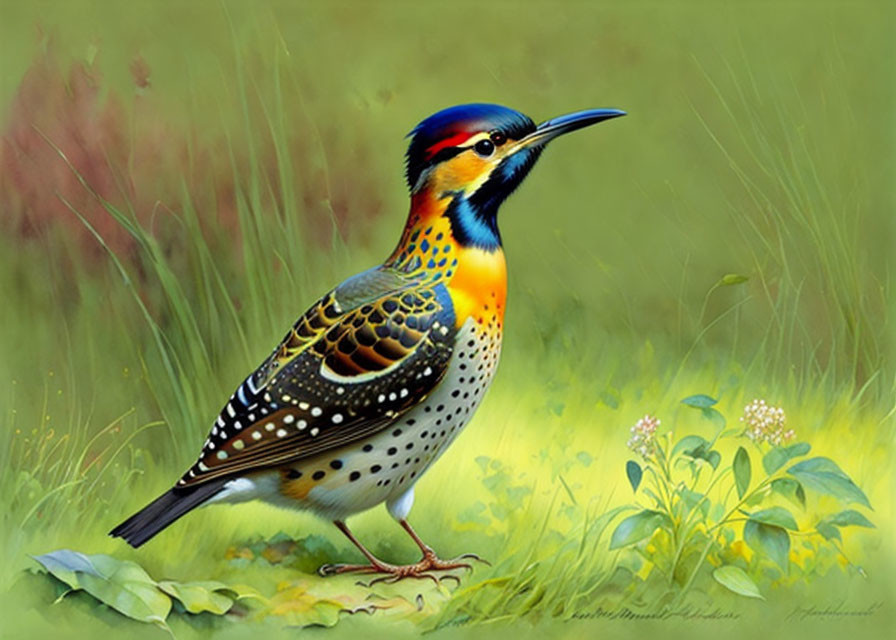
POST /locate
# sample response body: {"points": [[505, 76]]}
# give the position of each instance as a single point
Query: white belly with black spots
{"points": [[386, 465]]}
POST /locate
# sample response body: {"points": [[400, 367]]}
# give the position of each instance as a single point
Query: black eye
{"points": [[498, 138], [484, 148]]}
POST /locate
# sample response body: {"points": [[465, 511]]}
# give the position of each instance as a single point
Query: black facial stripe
{"points": [[445, 154]]}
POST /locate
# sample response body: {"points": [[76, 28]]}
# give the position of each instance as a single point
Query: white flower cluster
{"points": [[765, 423], [643, 436]]}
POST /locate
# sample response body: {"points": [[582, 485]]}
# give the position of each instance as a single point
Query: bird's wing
{"points": [[366, 353]]}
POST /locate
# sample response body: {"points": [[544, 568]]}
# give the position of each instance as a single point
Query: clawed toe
{"points": [[423, 570], [472, 556], [328, 570], [389, 573]]}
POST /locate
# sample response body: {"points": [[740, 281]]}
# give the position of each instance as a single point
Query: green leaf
{"points": [[779, 456], [777, 516], [769, 540], [699, 401], [790, 489], [697, 447], [64, 564], [850, 517], [736, 580], [742, 471], [199, 596], [823, 475], [828, 531], [731, 279], [828, 527], [597, 528], [687, 444], [122, 585], [127, 588], [634, 473], [713, 415], [635, 528]]}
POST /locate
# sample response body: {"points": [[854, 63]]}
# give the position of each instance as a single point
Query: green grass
{"points": [[150, 263]]}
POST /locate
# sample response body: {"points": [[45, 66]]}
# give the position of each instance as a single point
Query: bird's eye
{"points": [[484, 148], [498, 138]]}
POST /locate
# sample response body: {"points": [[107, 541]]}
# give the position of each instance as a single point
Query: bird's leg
{"points": [[433, 562], [393, 573], [376, 565]]}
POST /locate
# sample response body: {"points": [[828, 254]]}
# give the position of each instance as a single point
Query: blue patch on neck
{"points": [[474, 219], [472, 227]]}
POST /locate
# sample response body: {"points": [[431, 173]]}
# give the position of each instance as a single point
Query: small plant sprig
{"points": [[696, 504]]}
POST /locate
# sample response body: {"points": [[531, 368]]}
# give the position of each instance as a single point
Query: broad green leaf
{"points": [[127, 588], [823, 475], [242, 592], [850, 517], [697, 447], [755, 499], [769, 540], [596, 529], [713, 415], [818, 464], [634, 473], [687, 444], [779, 456], [699, 401], [790, 489], [122, 585], [828, 527], [199, 596], [828, 531], [731, 279], [742, 472], [777, 516], [736, 580], [714, 458], [64, 564], [635, 528]]}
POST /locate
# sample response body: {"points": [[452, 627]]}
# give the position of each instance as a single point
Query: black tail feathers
{"points": [[164, 510]]}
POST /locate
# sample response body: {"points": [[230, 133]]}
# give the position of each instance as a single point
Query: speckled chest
{"points": [[387, 464]]}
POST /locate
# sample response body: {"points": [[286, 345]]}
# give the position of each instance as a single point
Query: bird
{"points": [[378, 377]]}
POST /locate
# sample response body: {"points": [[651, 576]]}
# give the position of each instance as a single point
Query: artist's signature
{"points": [[839, 610], [684, 613]]}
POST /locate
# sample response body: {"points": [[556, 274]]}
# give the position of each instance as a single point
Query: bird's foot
{"points": [[421, 570]]}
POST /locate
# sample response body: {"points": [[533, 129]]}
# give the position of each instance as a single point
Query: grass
{"points": [[155, 258]]}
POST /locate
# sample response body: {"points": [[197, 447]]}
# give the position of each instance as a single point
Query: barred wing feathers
{"points": [[365, 354]]}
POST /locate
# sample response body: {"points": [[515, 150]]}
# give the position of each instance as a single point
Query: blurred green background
{"points": [[180, 180]]}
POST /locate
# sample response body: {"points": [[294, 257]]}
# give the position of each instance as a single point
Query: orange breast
{"points": [[478, 286]]}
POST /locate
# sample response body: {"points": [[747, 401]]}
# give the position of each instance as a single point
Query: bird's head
{"points": [[476, 155]]}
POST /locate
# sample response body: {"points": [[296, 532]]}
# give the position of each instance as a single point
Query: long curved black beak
{"points": [[550, 129]]}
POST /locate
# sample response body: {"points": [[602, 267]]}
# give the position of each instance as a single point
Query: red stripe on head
{"points": [[451, 141]]}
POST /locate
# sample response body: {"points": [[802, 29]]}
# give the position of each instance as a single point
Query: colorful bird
{"points": [[377, 378]]}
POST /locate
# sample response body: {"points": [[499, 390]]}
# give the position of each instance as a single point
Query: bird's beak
{"points": [[550, 129]]}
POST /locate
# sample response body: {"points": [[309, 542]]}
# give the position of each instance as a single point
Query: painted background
{"points": [[178, 181]]}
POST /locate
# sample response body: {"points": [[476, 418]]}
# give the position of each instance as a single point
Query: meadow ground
{"points": [[179, 181]]}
